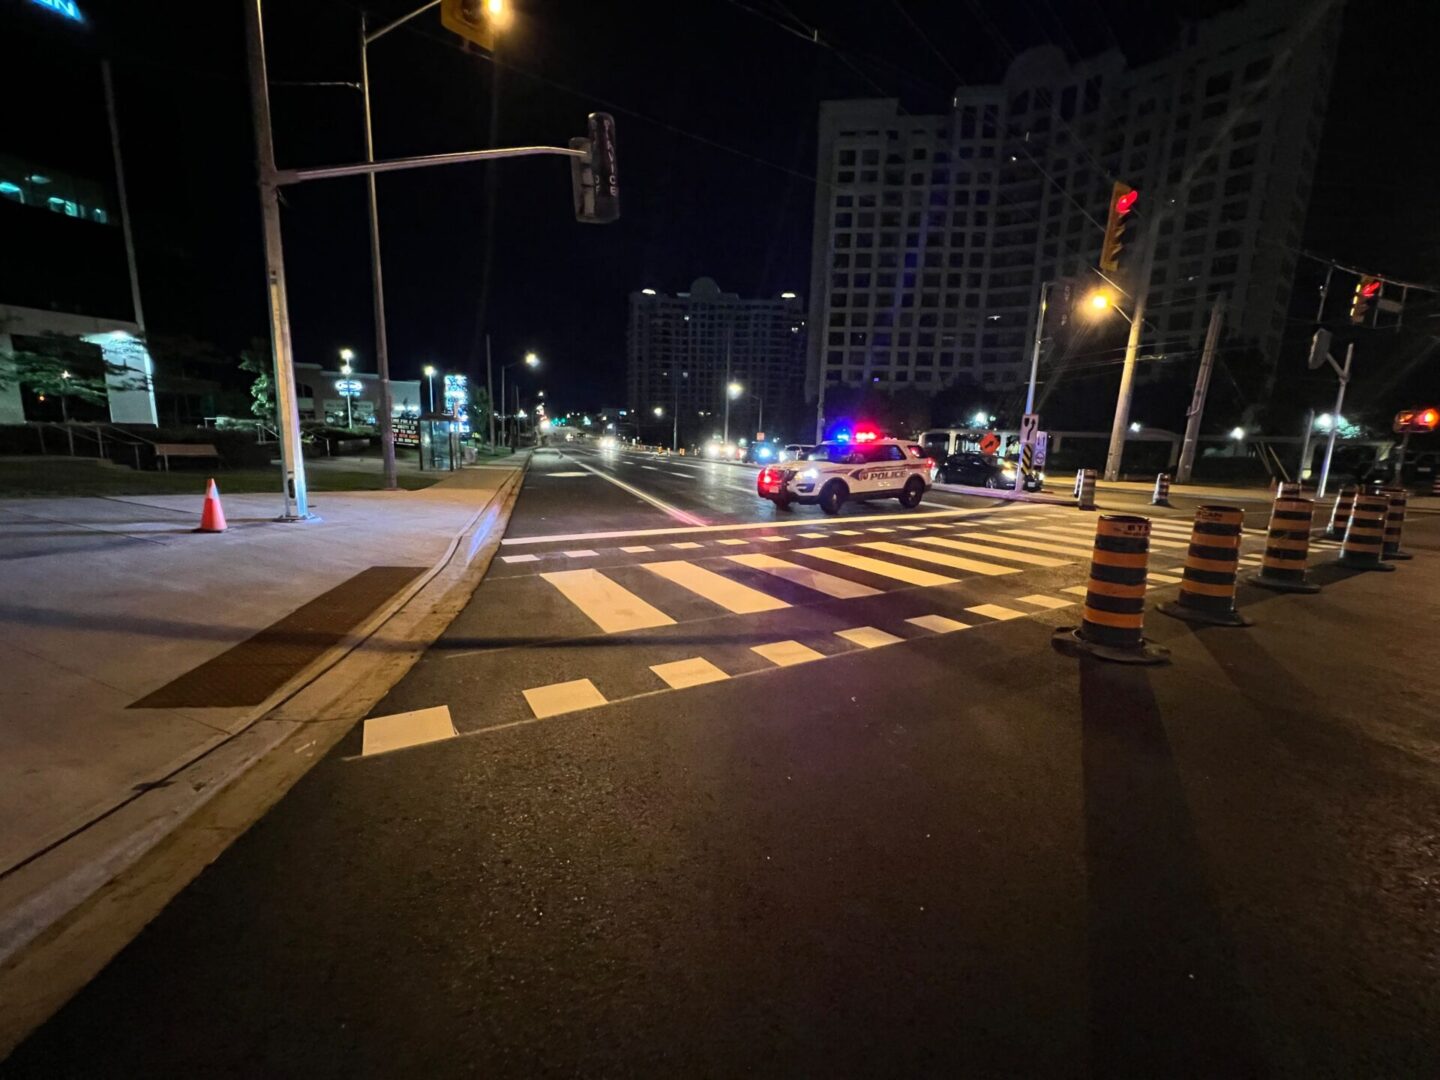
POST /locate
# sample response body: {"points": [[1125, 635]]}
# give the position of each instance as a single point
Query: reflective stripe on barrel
{"points": [[1115, 595], [1365, 534], [1394, 519], [1340, 513], [1087, 489], [1288, 545], [1208, 583]]}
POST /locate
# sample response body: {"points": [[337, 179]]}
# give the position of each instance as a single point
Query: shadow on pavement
{"points": [[1165, 997]]}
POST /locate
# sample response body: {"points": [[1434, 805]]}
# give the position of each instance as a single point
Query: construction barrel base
{"points": [[1067, 641], [1281, 585], [1205, 618]]}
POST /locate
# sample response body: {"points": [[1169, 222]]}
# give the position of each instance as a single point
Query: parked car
{"points": [[983, 470]]}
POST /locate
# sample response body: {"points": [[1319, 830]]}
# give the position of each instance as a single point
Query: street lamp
{"points": [[732, 390], [346, 355], [430, 377], [530, 360]]}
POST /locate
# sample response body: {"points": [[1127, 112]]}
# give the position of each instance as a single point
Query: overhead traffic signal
{"points": [[1122, 201], [1366, 290], [594, 178], [1416, 421], [476, 21]]}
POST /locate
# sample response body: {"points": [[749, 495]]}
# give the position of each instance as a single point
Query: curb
{"points": [[1008, 494], [71, 913]]}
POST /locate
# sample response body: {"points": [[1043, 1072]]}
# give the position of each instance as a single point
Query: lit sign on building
{"points": [[348, 387], [67, 9], [457, 401]]}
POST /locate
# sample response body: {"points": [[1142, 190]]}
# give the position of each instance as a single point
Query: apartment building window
{"points": [[847, 157], [1217, 84]]}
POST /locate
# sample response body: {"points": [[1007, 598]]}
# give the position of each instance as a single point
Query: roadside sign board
{"points": [[1029, 425], [989, 443], [1042, 448]]}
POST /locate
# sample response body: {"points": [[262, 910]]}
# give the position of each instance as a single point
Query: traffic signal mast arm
{"points": [[424, 161]]}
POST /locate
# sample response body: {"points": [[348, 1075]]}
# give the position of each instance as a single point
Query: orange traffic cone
{"points": [[212, 518]]}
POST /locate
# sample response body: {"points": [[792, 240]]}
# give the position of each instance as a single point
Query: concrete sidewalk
{"points": [[103, 601]]}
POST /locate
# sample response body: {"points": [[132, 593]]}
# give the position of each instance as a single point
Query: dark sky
{"points": [[715, 103]]}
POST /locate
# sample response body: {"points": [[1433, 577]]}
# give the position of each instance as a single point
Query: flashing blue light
{"points": [[66, 9], [842, 436], [764, 453]]}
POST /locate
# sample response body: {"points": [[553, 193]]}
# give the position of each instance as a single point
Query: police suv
{"points": [[835, 472]]}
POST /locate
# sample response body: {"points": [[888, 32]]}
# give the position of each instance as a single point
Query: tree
{"points": [[262, 391]]}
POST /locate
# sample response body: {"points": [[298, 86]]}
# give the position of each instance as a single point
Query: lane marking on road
{"points": [[875, 566], [563, 697], [731, 542], [558, 474], [818, 536], [652, 468], [519, 558], [1040, 600], [881, 529], [1081, 533], [609, 606], [787, 653], [955, 562], [922, 528], [1077, 590], [993, 552], [1164, 579], [383, 734], [995, 611], [847, 532], [868, 637], [636, 549], [937, 624], [685, 545], [659, 504], [829, 584], [678, 674], [682, 475], [580, 553], [774, 539], [718, 589], [1034, 545]]}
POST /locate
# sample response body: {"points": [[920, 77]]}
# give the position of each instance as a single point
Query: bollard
{"points": [[1079, 476], [1288, 547], [1365, 534], [1394, 523], [1112, 626], [1086, 493], [1161, 497], [1207, 590], [1340, 512]]}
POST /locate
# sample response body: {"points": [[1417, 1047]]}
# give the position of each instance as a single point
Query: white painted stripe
{"points": [[564, 474], [696, 671], [650, 467], [847, 532], [1080, 533], [1034, 545], [993, 552], [609, 606], [867, 637], [674, 512], [563, 697], [995, 611], [383, 734], [636, 549], [828, 584], [731, 595], [519, 558], [921, 528], [818, 536], [773, 539], [582, 553], [731, 541], [938, 624], [1077, 590], [786, 653], [686, 545], [875, 566], [955, 562], [1040, 600]]}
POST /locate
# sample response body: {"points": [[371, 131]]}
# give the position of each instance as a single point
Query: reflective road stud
{"points": [[1207, 590], [1112, 626], [1340, 512], [1288, 547], [1365, 535], [1394, 523], [1087, 489], [1161, 497]]}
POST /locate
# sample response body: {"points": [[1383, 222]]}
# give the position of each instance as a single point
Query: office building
{"points": [[932, 234], [684, 349]]}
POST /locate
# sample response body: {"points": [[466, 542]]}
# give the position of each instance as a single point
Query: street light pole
{"points": [[490, 390], [1121, 423], [297, 502], [1035, 352], [1202, 387], [377, 284]]}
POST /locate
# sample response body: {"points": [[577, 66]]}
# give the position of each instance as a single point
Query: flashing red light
{"points": [[1429, 418], [1125, 202], [1369, 289], [866, 435]]}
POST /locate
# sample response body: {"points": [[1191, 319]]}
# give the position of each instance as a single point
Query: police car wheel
{"points": [[782, 503], [913, 493], [832, 497]]}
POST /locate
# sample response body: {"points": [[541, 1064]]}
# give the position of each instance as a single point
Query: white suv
{"points": [[835, 472]]}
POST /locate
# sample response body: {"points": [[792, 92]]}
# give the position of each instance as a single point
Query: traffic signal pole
{"points": [[1344, 373], [287, 420], [1202, 387], [1132, 350]]}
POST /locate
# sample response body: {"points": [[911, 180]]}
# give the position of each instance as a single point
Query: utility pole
{"points": [[1035, 352], [287, 421], [125, 228], [377, 285], [490, 389], [1344, 373], [1305, 446], [725, 390], [1202, 387], [1132, 350]]}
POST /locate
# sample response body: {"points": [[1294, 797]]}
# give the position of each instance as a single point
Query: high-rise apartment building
{"points": [[682, 350], [933, 233]]}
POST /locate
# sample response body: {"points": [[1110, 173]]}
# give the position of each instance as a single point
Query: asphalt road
{"points": [[882, 844]]}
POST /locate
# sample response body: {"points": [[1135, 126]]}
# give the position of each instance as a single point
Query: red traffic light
{"points": [[1416, 421], [1369, 289], [1429, 418], [1126, 201]]}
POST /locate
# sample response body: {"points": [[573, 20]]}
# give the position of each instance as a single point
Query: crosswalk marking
{"points": [[398, 731], [563, 697], [609, 606], [686, 545], [731, 595], [1034, 545], [875, 566], [955, 561], [1164, 579], [821, 536], [867, 637], [937, 624], [981, 549], [880, 529], [582, 553], [1040, 600], [847, 532], [995, 611], [777, 539], [786, 653], [918, 528], [636, 549], [678, 674], [520, 558], [1076, 590], [828, 584], [1081, 533], [733, 542]]}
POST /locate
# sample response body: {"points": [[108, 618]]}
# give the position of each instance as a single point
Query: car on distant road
{"points": [[834, 473], [795, 451], [983, 470]]}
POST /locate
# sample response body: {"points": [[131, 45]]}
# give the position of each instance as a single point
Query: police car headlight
{"points": [[810, 474]]}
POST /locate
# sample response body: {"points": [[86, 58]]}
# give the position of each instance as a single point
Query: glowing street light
{"points": [[430, 375], [1238, 434], [735, 389], [1135, 425], [531, 360], [1099, 301]]}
